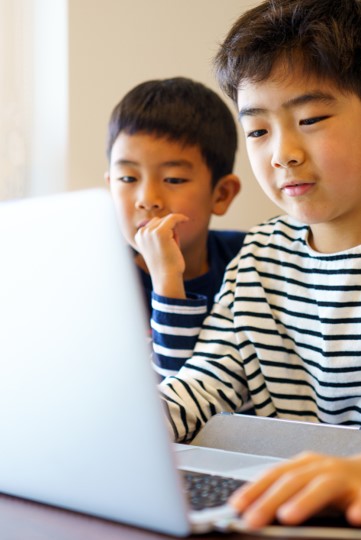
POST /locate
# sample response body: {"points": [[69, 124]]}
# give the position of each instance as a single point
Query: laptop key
{"points": [[208, 491]]}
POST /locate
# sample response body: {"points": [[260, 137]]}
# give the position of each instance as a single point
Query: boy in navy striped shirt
{"points": [[285, 331], [171, 151]]}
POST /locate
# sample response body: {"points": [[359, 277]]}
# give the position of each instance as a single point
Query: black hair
{"points": [[323, 36], [180, 110]]}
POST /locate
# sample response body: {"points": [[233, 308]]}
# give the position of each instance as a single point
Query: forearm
{"points": [[168, 285], [175, 328], [209, 382]]}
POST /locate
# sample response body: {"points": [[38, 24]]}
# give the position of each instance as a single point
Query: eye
{"points": [[313, 120], [256, 134], [126, 179], [173, 180]]}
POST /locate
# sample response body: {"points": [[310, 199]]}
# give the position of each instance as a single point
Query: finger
{"points": [[172, 219], [168, 227], [246, 495], [260, 502], [265, 508], [317, 494], [161, 225], [353, 512]]}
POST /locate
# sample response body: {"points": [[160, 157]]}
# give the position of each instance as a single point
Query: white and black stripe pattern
{"points": [[175, 327], [286, 332]]}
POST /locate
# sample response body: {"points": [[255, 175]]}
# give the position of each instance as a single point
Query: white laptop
{"points": [[81, 423]]}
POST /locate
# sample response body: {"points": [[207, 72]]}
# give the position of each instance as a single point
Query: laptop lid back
{"points": [[81, 425]]}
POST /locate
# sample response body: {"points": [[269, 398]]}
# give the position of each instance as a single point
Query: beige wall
{"points": [[115, 44]]}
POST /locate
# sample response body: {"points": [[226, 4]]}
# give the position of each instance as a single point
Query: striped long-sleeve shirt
{"points": [[284, 332], [222, 246]]}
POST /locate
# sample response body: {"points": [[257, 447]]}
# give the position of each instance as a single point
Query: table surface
{"points": [[21, 519]]}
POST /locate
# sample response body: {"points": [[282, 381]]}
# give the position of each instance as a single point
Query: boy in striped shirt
{"points": [[171, 150], [285, 331]]}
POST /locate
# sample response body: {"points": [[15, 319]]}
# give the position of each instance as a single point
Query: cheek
{"points": [[124, 212], [333, 165], [199, 214], [260, 165], [187, 232], [120, 198], [335, 153], [192, 204]]}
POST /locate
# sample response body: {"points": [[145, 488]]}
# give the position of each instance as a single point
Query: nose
{"points": [[148, 197], [287, 152]]}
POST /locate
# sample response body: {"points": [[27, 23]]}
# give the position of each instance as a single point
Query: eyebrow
{"points": [[171, 163], [297, 101]]}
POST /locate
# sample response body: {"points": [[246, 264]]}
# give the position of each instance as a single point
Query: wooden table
{"points": [[26, 520]]}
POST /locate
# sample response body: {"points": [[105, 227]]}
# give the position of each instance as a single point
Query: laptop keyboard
{"points": [[207, 490]]}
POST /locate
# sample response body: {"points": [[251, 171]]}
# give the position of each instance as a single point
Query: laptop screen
{"points": [[80, 419]]}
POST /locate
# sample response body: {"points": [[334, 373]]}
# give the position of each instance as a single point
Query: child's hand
{"points": [[158, 244], [296, 490]]}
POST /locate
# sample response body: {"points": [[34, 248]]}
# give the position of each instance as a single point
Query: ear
{"points": [[107, 178], [224, 192]]}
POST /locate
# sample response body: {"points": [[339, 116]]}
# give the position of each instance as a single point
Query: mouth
{"points": [[143, 223], [296, 189]]}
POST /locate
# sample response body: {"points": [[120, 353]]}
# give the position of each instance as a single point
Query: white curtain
{"points": [[15, 97], [33, 97]]}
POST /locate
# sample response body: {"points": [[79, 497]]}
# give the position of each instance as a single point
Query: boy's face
{"points": [[303, 139], [153, 177]]}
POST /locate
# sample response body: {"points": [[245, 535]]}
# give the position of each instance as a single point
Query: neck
{"points": [[196, 264], [331, 238]]}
